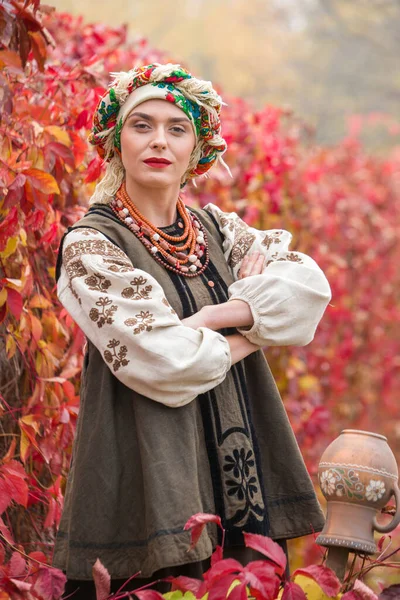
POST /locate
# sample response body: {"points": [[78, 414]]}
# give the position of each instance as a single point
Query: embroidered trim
{"points": [[118, 266], [75, 268], [228, 222], [89, 231], [290, 257], [97, 247]]}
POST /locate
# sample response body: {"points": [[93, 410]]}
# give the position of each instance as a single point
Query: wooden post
{"points": [[337, 560]]}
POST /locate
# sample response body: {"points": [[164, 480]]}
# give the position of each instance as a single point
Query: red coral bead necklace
{"points": [[186, 254]]}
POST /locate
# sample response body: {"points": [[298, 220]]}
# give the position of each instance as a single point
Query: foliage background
{"points": [[340, 201]]}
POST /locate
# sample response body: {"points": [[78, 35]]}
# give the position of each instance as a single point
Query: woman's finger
{"points": [[248, 264], [258, 265]]}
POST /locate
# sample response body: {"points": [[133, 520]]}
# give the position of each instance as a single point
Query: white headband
{"points": [[141, 94]]}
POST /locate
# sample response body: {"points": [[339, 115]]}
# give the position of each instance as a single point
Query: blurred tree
{"points": [[327, 59]]}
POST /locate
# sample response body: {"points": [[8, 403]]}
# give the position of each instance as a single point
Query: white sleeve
{"points": [[125, 314], [288, 298]]}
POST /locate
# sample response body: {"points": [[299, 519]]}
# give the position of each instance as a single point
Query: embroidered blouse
{"points": [[174, 363]]}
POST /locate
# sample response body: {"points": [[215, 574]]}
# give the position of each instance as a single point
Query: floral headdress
{"points": [[197, 98]]}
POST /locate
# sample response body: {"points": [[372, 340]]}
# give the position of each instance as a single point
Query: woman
{"points": [[176, 305]]}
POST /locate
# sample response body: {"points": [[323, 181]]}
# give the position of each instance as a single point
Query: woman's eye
{"points": [[179, 130], [141, 125]]}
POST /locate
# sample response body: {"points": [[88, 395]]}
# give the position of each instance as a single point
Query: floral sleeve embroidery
{"points": [[138, 291], [272, 238], [289, 256], [141, 322], [103, 315], [117, 358]]}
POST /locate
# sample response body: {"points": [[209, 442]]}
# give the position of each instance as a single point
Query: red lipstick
{"points": [[157, 163]]}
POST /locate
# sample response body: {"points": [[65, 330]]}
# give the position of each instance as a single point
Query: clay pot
{"points": [[357, 475]]}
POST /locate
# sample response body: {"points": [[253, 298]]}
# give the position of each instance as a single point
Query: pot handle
{"points": [[396, 519]]}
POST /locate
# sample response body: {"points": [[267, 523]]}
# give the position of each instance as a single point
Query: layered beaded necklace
{"points": [[184, 259]]}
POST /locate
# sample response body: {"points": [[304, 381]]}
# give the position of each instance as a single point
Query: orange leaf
{"points": [[8, 58], [44, 182], [38, 301], [38, 48], [37, 329]]}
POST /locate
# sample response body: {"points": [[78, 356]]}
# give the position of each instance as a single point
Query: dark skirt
{"points": [[85, 590]]}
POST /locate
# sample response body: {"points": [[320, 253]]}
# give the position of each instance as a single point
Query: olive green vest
{"points": [[141, 469]]}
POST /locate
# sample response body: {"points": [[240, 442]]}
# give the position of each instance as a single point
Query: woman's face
{"points": [[156, 129]]}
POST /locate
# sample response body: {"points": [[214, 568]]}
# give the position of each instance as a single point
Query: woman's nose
{"points": [[159, 140]]}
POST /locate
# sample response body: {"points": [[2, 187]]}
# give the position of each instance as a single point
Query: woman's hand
{"points": [[252, 264]]}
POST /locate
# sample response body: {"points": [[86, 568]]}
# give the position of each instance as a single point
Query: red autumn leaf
{"points": [[197, 523], [268, 548], [82, 119], [262, 579], [217, 555], [51, 514], [35, 219], [94, 169], [16, 565], [44, 182], [61, 150], [79, 147], [326, 578], [239, 592], [8, 227], [14, 302], [39, 556], [13, 486], [102, 580], [148, 595], [22, 586], [354, 596], [292, 591], [5, 532], [222, 568], [185, 584], [50, 583], [220, 586], [51, 234], [15, 191]]}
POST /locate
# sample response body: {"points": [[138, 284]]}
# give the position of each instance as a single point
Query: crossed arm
{"points": [[234, 313]]}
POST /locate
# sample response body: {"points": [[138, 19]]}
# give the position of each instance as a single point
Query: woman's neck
{"points": [[158, 205]]}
